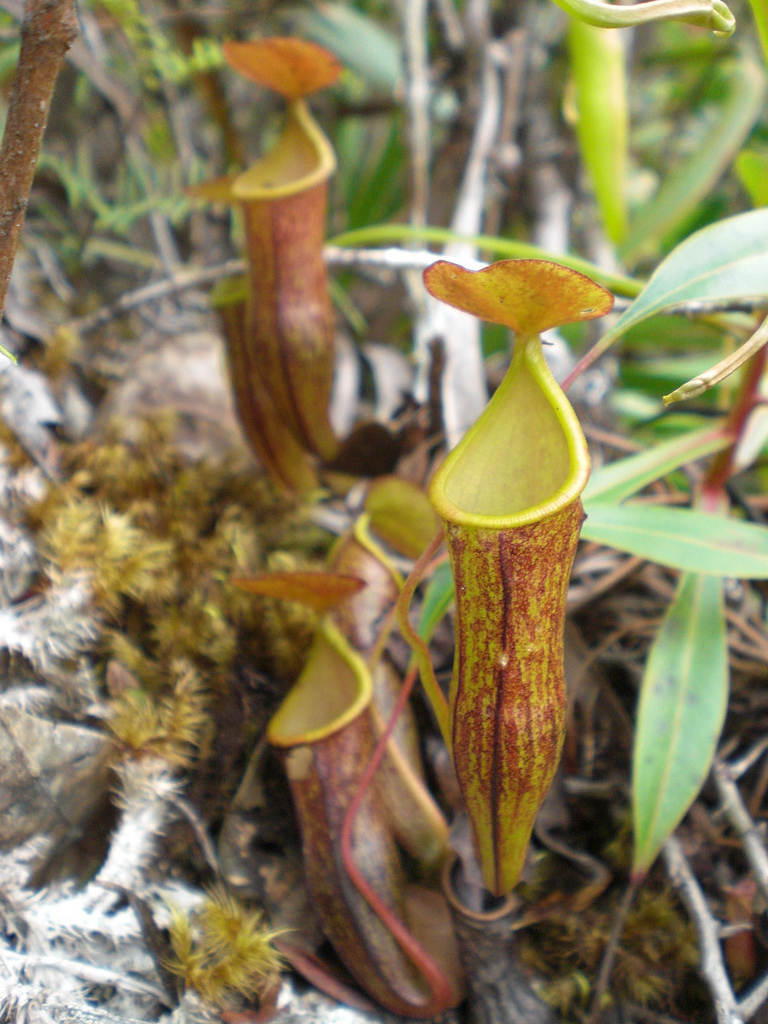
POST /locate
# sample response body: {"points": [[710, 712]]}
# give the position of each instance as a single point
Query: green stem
{"points": [[419, 648], [760, 14], [712, 14], [509, 248]]}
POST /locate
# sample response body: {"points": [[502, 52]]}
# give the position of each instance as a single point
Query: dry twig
{"points": [[464, 392], [49, 28], [737, 814], [417, 98], [712, 965], [393, 259]]}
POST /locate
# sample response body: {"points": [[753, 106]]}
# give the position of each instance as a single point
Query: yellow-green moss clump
{"points": [[222, 950], [160, 538], [170, 727]]}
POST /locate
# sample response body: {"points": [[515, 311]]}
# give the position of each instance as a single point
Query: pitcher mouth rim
{"points": [[326, 164], [568, 492], [354, 709]]}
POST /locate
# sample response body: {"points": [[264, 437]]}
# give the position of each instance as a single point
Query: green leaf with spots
{"points": [[683, 699]]}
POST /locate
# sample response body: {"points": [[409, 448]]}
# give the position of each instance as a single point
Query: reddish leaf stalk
{"points": [[48, 30], [366, 619], [442, 996], [721, 467]]}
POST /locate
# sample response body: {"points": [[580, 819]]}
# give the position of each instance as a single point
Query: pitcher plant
{"points": [[281, 353], [381, 927], [508, 498]]}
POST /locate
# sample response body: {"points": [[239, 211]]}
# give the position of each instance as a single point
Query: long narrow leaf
{"points": [[681, 538], [683, 699], [599, 68], [624, 477], [506, 248], [690, 182]]}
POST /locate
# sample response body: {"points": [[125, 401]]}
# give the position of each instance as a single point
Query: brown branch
{"points": [[48, 29]]}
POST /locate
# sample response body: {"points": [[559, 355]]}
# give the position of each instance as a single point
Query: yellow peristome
{"points": [[525, 458], [332, 690], [302, 158]]}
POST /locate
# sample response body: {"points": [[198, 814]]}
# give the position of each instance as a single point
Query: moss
{"points": [[222, 950], [161, 538], [656, 956], [170, 727], [55, 358]]}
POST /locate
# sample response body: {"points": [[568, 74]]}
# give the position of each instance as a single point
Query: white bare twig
{"points": [[741, 820], [739, 766], [712, 966], [453, 30], [58, 625], [28, 962], [754, 999], [392, 258], [414, 14], [464, 391]]}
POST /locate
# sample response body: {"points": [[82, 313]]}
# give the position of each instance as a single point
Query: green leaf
{"points": [[624, 477], [599, 69], [723, 369], [752, 170], [725, 261], [681, 538], [371, 174], [683, 699], [690, 182], [438, 596]]}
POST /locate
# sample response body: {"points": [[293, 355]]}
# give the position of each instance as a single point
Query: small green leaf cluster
{"points": [[157, 59], [137, 194]]}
